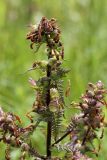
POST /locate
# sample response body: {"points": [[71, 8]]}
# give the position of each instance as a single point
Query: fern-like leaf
{"points": [[60, 90], [56, 123]]}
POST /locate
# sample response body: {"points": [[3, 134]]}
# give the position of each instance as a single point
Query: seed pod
{"points": [[67, 92]]}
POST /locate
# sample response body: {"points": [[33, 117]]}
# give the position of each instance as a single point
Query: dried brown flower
{"points": [[49, 33]]}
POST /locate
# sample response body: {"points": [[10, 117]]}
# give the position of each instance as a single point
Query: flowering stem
{"points": [[49, 122]]}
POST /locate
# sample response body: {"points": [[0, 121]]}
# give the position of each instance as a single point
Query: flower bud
{"points": [[54, 93], [100, 85], [92, 102], [56, 53], [1, 112], [9, 119], [25, 146], [90, 94], [2, 119], [52, 61], [52, 52]]}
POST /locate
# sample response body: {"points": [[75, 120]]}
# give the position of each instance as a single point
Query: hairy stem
{"points": [[49, 122]]}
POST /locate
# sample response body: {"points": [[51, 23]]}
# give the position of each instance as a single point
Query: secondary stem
{"points": [[85, 137], [60, 139]]}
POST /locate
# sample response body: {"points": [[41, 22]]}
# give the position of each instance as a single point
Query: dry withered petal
{"points": [[47, 32]]}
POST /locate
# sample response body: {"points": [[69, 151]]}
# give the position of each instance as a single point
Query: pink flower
{"points": [[32, 82]]}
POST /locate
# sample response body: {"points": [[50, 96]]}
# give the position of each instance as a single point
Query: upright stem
{"points": [[49, 139], [49, 124]]}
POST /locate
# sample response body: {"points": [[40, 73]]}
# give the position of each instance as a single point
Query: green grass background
{"points": [[84, 33]]}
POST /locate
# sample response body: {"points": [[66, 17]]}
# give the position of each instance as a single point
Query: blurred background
{"points": [[84, 33]]}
